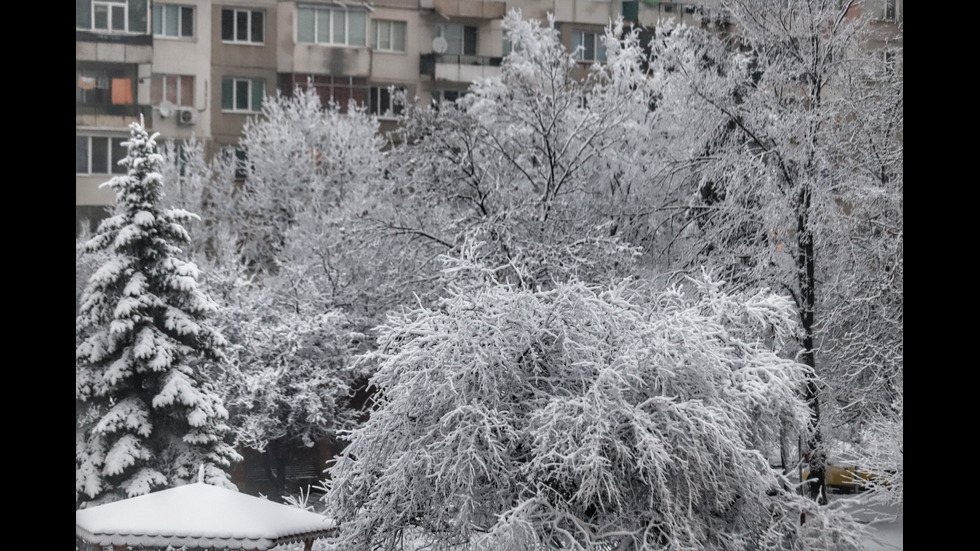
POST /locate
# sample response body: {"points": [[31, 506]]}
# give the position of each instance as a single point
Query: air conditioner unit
{"points": [[187, 116]]}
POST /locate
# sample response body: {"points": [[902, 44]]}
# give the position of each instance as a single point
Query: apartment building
{"points": [[200, 68]]}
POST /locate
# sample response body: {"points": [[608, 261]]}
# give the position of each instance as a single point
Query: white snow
{"points": [[198, 515]]}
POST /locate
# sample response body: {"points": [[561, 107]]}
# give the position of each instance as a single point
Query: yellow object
{"points": [[847, 479]]}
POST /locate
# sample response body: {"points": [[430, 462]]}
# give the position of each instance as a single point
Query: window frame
{"points": [[112, 144], [180, 21], [330, 12], [578, 53], [440, 31], [127, 14], [234, 95], [376, 35], [250, 41], [393, 110], [180, 80]]}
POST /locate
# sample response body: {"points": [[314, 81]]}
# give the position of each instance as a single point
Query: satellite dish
{"points": [[439, 45], [166, 108]]}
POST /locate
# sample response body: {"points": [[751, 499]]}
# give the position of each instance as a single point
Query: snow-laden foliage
{"points": [[290, 381], [542, 164], [578, 417], [303, 160], [146, 416], [794, 173]]}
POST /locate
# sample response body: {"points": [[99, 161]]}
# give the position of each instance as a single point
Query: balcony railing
{"points": [[115, 110], [114, 38], [428, 62]]}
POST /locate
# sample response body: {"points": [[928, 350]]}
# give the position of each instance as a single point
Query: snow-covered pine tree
{"points": [[146, 417]]}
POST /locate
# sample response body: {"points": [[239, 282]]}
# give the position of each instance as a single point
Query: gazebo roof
{"points": [[199, 515]]}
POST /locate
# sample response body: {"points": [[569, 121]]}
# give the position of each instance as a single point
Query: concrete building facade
{"points": [[200, 68]]}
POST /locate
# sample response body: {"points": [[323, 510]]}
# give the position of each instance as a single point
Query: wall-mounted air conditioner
{"points": [[187, 116]]}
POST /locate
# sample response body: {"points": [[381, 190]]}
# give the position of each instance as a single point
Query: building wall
{"points": [[243, 61], [188, 56], [279, 58]]}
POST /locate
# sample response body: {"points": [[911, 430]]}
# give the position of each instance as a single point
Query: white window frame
{"points": [[374, 97], [175, 80], [332, 13], [111, 163], [234, 29], [377, 34], [180, 21], [109, 5], [234, 94], [579, 51], [440, 31]]}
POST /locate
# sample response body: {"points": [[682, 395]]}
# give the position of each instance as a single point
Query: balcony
{"points": [[111, 115], [476, 9], [459, 68]]}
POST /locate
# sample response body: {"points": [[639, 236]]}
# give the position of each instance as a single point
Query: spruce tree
{"points": [[146, 417]]}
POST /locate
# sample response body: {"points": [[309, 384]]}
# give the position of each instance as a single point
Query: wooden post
{"points": [[309, 545]]}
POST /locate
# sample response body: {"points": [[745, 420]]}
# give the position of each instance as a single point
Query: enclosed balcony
{"points": [[475, 9], [459, 68]]}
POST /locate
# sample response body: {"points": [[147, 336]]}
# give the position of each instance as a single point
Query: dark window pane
{"points": [[589, 47], [101, 17], [186, 21], [385, 101], [241, 95], [373, 107], [241, 25], [241, 162], [118, 153], [469, 40], [227, 93], [81, 154], [100, 155], [257, 26], [258, 89], [83, 14], [227, 25], [118, 18], [137, 16]]}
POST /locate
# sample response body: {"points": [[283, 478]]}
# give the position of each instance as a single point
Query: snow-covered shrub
{"points": [[577, 417]]}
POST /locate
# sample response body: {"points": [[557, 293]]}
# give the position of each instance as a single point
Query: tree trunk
{"points": [[806, 264]]}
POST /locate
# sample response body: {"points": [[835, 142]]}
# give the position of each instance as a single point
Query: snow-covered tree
{"points": [[290, 380], [541, 164], [794, 170], [303, 160], [580, 417], [147, 418]]}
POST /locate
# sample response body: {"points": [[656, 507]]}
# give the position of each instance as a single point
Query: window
{"points": [[243, 26], [382, 101], [389, 36], [336, 26], [242, 94], [439, 96], [105, 84], [460, 40], [99, 155], [339, 89], [173, 21], [177, 89], [588, 46], [111, 16]]}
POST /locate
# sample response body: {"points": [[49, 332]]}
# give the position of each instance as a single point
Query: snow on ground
{"points": [[889, 528]]}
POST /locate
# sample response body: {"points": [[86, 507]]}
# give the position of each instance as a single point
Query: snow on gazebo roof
{"points": [[199, 515]]}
